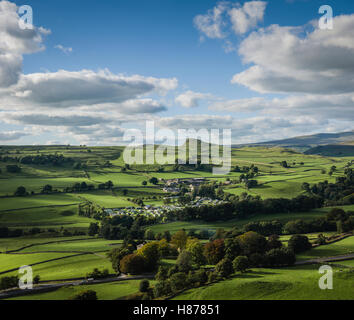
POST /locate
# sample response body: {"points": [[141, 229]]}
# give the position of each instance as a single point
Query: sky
{"points": [[90, 70]]}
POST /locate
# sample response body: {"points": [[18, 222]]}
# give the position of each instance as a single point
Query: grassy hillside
{"points": [[299, 283], [56, 215], [106, 291], [333, 150]]}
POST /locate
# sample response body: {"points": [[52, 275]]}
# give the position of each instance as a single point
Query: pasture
{"points": [[227, 225], [105, 291], [299, 283]]}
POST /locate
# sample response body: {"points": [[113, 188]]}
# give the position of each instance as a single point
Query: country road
{"points": [[54, 286], [326, 259]]}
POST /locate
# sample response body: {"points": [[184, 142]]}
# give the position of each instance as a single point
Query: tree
{"points": [[296, 227], [20, 192], [8, 282], [167, 235], [214, 251], [154, 181], [83, 186], [149, 234], [93, 229], [109, 184], [162, 288], [164, 248], [178, 281], [150, 253], [36, 279], [306, 187], [144, 285], [116, 255], [196, 250], [47, 189], [85, 295], [284, 164], [132, 264], [232, 248], [144, 183], [336, 214], [98, 274], [274, 242], [299, 243], [252, 242], [179, 239], [224, 268], [251, 184], [4, 232], [184, 261], [162, 273], [241, 264], [13, 168]]}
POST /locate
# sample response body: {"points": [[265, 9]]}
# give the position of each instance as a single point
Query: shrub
{"points": [[162, 273], [178, 281], [97, 274], [256, 260], [280, 257], [20, 192], [8, 282], [162, 288], [296, 227], [212, 276], [345, 226], [336, 214], [36, 279], [172, 270], [274, 242], [240, 264], [93, 229], [198, 277], [12, 168]]}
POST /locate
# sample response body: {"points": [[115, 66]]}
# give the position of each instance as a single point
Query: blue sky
{"points": [[162, 40]]}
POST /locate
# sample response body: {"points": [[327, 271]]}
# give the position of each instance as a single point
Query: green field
{"points": [[9, 244], [105, 291], [94, 245], [15, 261], [227, 225], [67, 267], [299, 283]]}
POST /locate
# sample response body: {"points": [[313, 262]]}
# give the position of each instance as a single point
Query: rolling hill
{"points": [[303, 143]]}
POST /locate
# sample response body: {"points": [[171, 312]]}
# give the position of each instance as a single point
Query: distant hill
{"points": [[308, 142], [337, 150]]}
